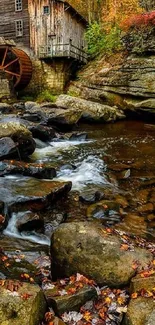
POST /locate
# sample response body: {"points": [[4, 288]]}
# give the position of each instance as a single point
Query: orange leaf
{"points": [[71, 291], [25, 296], [146, 274], [4, 258], [124, 247], [25, 276], [72, 279], [134, 295], [87, 316], [102, 313], [121, 300], [2, 282], [135, 265], [108, 300]]}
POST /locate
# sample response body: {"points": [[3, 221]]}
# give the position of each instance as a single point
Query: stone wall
{"points": [[5, 87], [50, 74]]}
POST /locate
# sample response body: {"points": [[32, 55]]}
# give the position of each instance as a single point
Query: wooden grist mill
{"points": [[16, 64]]}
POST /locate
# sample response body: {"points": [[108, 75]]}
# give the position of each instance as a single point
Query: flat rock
{"points": [[31, 193], [14, 167]]}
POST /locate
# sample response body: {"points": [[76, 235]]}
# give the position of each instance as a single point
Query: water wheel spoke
{"points": [[10, 63], [5, 54], [12, 73]]}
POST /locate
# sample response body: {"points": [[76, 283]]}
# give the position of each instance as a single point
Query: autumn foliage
{"points": [[139, 21]]}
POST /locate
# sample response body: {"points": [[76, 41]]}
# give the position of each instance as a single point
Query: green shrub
{"points": [[46, 96], [101, 41]]}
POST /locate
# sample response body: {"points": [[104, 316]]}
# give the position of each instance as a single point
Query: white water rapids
{"points": [[88, 170]]}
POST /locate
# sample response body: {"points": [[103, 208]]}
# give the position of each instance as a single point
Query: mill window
{"points": [[46, 10], [18, 5], [19, 28]]}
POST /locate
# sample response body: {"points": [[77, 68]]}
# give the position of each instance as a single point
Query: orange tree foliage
{"points": [[90, 9], [116, 11], [107, 11]]}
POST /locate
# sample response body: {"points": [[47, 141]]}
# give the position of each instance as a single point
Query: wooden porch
{"points": [[63, 50]]}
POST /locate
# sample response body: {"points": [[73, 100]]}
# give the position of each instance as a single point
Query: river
{"points": [[113, 182]]}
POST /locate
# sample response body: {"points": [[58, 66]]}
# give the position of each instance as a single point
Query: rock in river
{"points": [[21, 137], [91, 111], [30, 193], [14, 167], [86, 248]]}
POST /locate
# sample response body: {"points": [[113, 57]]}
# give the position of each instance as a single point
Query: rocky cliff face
{"points": [[126, 81]]}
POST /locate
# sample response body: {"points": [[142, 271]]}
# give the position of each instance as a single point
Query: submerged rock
{"points": [[24, 305], [90, 251]]}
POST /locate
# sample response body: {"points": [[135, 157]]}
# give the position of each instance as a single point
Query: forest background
{"points": [[109, 19]]}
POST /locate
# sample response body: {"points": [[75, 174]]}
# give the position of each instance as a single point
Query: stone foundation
{"points": [[5, 88], [50, 74]]}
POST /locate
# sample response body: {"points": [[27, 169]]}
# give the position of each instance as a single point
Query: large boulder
{"points": [[86, 248], [23, 306], [91, 111], [20, 135]]}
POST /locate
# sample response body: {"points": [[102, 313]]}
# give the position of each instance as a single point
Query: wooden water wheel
{"points": [[17, 66]]}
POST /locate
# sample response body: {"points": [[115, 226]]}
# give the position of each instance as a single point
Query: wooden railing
{"points": [[63, 50]]}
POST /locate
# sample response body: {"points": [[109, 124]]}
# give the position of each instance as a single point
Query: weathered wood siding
{"points": [[8, 16], [73, 29], [60, 26]]}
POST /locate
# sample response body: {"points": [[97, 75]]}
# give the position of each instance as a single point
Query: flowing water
{"points": [[117, 161]]}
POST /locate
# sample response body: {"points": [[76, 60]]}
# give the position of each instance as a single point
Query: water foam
{"points": [[12, 231], [89, 171], [55, 148]]}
